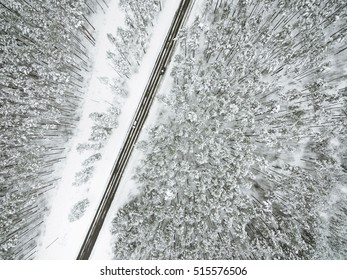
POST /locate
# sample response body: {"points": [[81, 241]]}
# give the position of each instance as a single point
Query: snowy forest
{"points": [[247, 159], [46, 56], [43, 60]]}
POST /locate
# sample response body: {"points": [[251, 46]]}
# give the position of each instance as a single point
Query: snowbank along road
{"points": [[135, 129]]}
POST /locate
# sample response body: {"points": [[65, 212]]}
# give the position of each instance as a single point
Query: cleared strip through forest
{"points": [[135, 129]]}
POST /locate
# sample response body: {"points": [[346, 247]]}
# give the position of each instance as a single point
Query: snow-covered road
{"points": [[135, 129], [127, 188]]}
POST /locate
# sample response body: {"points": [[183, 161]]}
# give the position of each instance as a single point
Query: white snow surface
{"points": [[62, 239], [127, 187]]}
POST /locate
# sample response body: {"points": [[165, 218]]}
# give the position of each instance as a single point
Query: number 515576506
{"points": [[220, 270]]}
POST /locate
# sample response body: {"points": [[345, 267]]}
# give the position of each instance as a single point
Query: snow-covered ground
{"points": [[127, 187], [61, 238]]}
